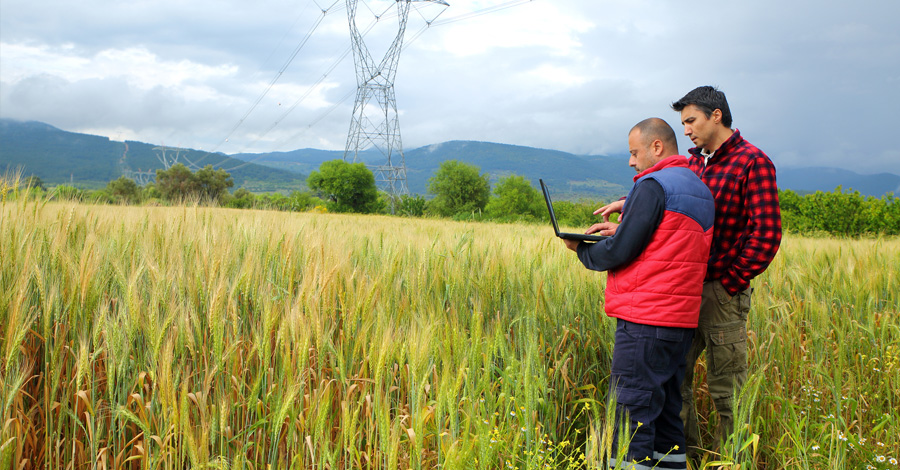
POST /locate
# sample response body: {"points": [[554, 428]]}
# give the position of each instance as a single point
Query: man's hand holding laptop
{"points": [[606, 229]]}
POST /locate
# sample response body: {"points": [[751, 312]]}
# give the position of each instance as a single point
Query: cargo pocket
{"points": [[744, 303], [722, 295], [728, 349], [636, 402], [663, 350]]}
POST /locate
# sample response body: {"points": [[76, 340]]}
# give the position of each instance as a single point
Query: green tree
{"points": [[151, 191], [303, 200], [845, 214], [177, 183], [212, 185], [34, 182], [891, 214], [411, 206], [124, 189], [241, 199], [207, 185], [100, 196], [515, 199], [458, 188], [66, 192], [350, 187], [577, 214], [791, 211]]}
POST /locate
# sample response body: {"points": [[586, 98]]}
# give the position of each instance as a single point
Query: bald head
{"points": [[652, 129], [650, 141]]}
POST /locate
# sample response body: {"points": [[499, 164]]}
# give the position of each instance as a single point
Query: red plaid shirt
{"points": [[747, 230]]}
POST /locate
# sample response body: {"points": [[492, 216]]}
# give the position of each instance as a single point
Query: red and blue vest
{"points": [[663, 285]]}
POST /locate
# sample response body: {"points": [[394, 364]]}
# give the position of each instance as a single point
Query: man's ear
{"points": [[657, 147], [717, 116]]}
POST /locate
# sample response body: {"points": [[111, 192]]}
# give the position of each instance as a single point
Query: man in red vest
{"points": [[747, 237], [656, 261]]}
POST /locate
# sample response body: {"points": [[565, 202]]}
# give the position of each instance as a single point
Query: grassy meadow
{"points": [[191, 337]]}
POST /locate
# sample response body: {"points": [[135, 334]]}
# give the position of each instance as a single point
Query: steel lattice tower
{"points": [[375, 123]]}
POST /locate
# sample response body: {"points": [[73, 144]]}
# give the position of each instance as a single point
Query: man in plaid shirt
{"points": [[746, 236]]}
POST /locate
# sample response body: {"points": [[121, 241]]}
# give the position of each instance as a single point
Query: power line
{"points": [[465, 16], [278, 74], [304, 130], [483, 11], [271, 83], [286, 33], [305, 95], [388, 13]]}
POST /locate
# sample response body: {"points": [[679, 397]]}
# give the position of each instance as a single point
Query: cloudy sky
{"points": [[812, 83]]}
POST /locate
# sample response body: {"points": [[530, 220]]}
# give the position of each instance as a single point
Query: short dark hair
{"points": [[708, 99], [656, 128]]}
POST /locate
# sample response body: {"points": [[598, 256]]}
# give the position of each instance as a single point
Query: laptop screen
{"points": [[567, 236], [549, 206]]}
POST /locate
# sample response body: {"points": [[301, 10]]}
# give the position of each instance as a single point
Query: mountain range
{"points": [[570, 176], [90, 161], [57, 156]]}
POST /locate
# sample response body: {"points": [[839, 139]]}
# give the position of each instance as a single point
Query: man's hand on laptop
{"points": [[606, 229], [608, 209]]}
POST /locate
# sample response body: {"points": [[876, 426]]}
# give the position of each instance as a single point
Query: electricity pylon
{"points": [[170, 159], [375, 123]]}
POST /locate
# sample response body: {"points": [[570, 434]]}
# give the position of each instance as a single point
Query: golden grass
{"points": [[151, 337]]}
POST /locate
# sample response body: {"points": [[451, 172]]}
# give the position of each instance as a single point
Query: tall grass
{"points": [[168, 338]]}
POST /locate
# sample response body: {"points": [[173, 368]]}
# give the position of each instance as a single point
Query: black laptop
{"points": [[567, 236]]}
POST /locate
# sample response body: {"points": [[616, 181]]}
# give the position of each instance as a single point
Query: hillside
{"points": [[57, 156], [570, 176], [807, 180]]}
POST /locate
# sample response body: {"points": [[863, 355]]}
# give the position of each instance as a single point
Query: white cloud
{"points": [[807, 82], [535, 24], [139, 67]]}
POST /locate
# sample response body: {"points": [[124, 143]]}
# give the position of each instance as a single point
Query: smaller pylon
{"points": [[168, 156]]}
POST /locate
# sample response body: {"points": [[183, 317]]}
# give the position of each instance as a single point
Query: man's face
{"points": [[699, 128], [641, 153]]}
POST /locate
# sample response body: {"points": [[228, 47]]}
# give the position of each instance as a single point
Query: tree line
{"points": [[459, 191], [840, 213]]}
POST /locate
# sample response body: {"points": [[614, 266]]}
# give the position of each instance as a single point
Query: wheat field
{"points": [[193, 337]]}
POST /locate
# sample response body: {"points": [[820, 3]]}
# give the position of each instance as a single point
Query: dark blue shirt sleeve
{"points": [[642, 214]]}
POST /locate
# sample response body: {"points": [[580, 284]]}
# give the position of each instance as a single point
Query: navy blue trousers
{"points": [[647, 370]]}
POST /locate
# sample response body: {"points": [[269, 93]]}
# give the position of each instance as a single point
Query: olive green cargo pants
{"points": [[722, 332]]}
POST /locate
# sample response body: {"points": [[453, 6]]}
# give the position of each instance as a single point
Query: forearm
{"points": [[645, 211], [763, 229], [753, 261]]}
